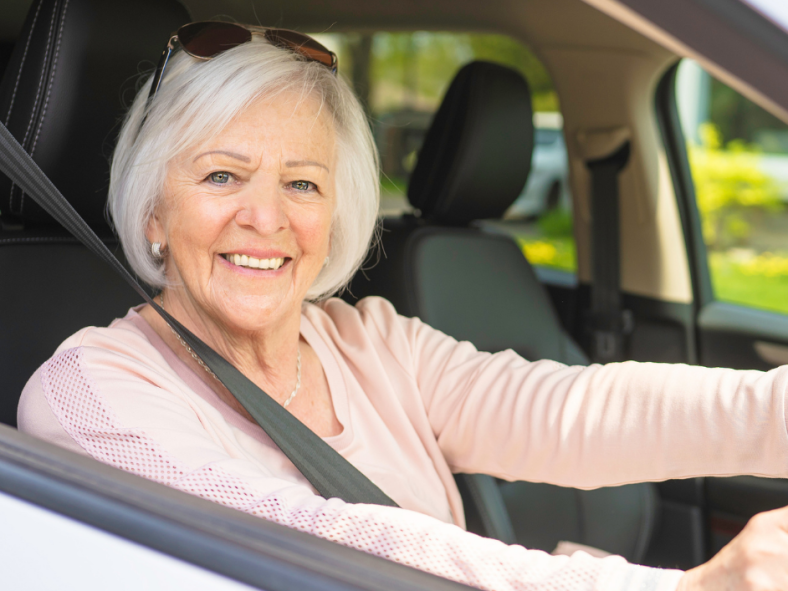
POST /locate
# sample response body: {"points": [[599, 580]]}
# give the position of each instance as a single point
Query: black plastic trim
{"points": [[735, 319], [744, 496], [669, 124], [683, 187], [259, 553]]}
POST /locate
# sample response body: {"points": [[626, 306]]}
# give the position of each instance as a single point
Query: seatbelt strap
{"points": [[331, 474], [607, 322], [489, 504]]}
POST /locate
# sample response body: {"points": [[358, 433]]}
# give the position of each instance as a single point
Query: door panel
{"points": [[733, 501], [741, 337], [727, 164]]}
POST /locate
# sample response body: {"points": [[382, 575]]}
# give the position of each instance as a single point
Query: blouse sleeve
{"points": [[121, 414], [589, 426]]}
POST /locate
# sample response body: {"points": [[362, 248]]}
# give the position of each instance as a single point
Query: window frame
{"points": [[248, 549], [674, 141]]}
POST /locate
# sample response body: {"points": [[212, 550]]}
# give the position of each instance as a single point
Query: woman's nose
{"points": [[263, 209]]}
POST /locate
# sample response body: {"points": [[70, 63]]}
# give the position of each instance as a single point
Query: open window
{"points": [[738, 159]]}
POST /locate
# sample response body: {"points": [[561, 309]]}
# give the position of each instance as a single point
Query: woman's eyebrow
{"points": [[235, 155], [294, 163]]}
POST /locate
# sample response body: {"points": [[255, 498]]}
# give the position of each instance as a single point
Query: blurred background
{"points": [[401, 79], [738, 154]]}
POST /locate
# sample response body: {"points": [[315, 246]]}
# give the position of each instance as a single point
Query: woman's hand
{"points": [[756, 559]]}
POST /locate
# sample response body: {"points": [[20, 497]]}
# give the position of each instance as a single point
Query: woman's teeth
{"points": [[243, 260]]}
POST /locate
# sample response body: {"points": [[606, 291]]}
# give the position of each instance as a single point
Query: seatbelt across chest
{"points": [[331, 474]]}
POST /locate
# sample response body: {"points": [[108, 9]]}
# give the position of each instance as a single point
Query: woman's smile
{"points": [[260, 265]]}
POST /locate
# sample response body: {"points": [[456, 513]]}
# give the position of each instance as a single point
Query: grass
{"points": [[744, 277], [758, 281]]}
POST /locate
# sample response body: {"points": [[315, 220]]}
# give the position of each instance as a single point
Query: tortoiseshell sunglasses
{"points": [[207, 39]]}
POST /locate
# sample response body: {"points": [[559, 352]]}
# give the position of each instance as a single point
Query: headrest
{"points": [[477, 154], [72, 72]]}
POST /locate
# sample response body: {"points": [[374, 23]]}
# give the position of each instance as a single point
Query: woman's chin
{"points": [[255, 312]]}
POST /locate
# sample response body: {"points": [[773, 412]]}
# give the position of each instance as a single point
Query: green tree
{"points": [[729, 184], [413, 70], [509, 52]]}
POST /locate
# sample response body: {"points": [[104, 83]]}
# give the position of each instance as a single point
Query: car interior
{"points": [[69, 68]]}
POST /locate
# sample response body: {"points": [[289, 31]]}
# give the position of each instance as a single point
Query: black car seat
{"points": [[477, 286], [61, 98]]}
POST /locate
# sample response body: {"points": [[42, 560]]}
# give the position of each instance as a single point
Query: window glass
{"points": [[738, 155], [401, 78]]}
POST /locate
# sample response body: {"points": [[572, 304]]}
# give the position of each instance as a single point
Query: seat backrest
{"points": [[472, 285], [478, 286], [70, 76]]}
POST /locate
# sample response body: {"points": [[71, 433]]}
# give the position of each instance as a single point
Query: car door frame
{"points": [[727, 335], [241, 547]]}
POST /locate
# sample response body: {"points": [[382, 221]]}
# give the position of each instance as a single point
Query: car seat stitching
{"points": [[16, 88], [22, 64], [51, 78], [56, 239], [44, 71], [42, 239], [42, 78]]}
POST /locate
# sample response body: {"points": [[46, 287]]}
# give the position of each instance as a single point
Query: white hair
{"points": [[197, 99]]}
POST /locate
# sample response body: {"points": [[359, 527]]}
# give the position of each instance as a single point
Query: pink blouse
{"points": [[415, 406]]}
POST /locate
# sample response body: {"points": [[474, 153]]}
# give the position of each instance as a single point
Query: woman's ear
{"points": [[154, 231]]}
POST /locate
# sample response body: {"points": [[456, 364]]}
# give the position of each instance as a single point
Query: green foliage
{"points": [[550, 241], [556, 253], [393, 185], [556, 223], [414, 69], [729, 183], [509, 52], [737, 117]]}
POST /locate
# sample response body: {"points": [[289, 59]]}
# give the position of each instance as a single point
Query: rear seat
{"points": [[478, 287], [61, 98]]}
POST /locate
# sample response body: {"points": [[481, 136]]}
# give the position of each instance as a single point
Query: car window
{"points": [[738, 156], [401, 78]]}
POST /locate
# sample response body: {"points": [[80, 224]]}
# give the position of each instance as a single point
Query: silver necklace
{"points": [[208, 369]]}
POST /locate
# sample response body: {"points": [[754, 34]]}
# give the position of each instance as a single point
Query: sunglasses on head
{"points": [[207, 39]]}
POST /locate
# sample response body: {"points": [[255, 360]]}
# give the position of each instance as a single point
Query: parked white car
{"points": [[548, 184]]}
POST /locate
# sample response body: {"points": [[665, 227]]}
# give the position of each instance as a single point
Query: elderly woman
{"points": [[246, 189]]}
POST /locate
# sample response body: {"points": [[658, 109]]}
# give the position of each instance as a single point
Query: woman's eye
{"points": [[220, 178], [302, 185]]}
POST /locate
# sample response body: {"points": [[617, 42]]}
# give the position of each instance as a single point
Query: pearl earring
{"points": [[155, 249], [325, 262]]}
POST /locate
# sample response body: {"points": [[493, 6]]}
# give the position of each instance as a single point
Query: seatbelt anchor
{"points": [[607, 335]]}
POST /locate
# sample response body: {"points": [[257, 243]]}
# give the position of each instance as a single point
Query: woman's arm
{"points": [[123, 416], [590, 426]]}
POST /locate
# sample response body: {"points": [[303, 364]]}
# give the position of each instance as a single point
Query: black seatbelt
{"points": [[607, 322], [331, 474], [489, 504]]}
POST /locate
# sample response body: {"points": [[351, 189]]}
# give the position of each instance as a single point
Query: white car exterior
{"points": [[548, 183]]}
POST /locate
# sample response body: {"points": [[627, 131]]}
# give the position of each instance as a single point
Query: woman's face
{"points": [[246, 215]]}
